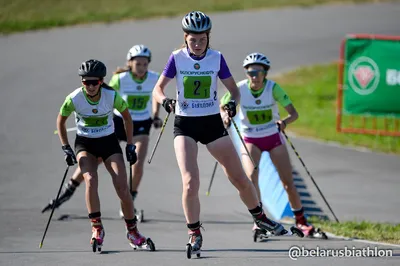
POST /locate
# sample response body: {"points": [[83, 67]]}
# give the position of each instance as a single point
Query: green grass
{"points": [[22, 15], [313, 91], [382, 232]]}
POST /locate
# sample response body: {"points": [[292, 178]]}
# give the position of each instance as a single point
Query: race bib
{"points": [[259, 117], [137, 102], [197, 87], [95, 121]]}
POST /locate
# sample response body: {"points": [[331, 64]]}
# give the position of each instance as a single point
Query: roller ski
{"points": [[98, 235], [139, 242], [259, 233], [65, 196], [272, 228], [195, 244], [310, 231], [139, 215]]}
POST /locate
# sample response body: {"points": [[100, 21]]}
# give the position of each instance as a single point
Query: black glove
{"points": [[157, 122], [167, 103], [69, 155], [131, 156], [231, 108]]}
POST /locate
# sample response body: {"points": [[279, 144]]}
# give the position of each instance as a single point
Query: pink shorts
{"points": [[266, 143]]}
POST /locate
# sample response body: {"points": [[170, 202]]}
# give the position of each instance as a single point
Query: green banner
{"points": [[371, 78]]}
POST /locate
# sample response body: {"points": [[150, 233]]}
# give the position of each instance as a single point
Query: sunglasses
{"points": [[255, 73], [93, 82]]}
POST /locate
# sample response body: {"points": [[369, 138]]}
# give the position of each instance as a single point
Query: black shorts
{"points": [[203, 129], [102, 147], [139, 127]]}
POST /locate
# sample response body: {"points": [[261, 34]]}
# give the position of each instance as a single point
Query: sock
{"points": [[194, 227], [95, 219], [134, 194], [299, 215], [258, 214], [131, 224]]}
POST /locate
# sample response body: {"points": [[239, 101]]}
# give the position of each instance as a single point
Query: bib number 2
{"points": [[197, 87]]}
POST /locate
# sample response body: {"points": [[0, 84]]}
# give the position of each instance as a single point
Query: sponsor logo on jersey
{"points": [[258, 101], [196, 73], [139, 87], [203, 104], [95, 111], [196, 66]]}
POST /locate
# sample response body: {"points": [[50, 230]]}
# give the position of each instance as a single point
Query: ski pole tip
{"points": [[207, 193], [40, 245]]}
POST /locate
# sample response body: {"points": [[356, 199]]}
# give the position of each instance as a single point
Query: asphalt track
{"points": [[37, 70]]}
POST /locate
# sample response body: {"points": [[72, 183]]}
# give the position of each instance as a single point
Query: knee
{"points": [[190, 186], [91, 179]]}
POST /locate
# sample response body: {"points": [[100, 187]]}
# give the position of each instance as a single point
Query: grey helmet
{"points": [[139, 50], [196, 22], [92, 68], [257, 58]]}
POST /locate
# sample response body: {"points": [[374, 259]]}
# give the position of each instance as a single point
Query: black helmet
{"points": [[92, 68]]}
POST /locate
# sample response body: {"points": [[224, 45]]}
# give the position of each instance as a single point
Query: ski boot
{"points": [[137, 241], [195, 244], [66, 195], [310, 231], [259, 233], [139, 215], [98, 235], [276, 229]]}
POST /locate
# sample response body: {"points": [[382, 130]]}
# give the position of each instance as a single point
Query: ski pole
{"points": [[54, 205], [241, 139], [312, 179], [159, 137], [212, 178]]}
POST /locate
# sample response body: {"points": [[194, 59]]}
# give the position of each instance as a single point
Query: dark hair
{"points": [[106, 86]]}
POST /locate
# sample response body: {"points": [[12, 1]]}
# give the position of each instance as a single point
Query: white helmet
{"points": [[139, 50], [257, 58], [196, 22]]}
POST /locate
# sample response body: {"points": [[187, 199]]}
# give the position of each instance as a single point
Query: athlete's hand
{"points": [[227, 120], [230, 108], [70, 158], [169, 105], [281, 125], [131, 155], [157, 122]]}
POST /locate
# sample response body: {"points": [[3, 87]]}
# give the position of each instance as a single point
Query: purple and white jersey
{"points": [[196, 80]]}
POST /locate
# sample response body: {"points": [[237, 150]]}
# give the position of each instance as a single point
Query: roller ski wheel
{"points": [[296, 231], [260, 234], [147, 245], [140, 216], [190, 251], [318, 233], [95, 245]]}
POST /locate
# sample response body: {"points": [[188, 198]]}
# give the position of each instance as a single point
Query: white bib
{"points": [[94, 121], [258, 115], [138, 96], [196, 82]]}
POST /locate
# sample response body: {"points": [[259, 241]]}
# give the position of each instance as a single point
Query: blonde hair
{"points": [[122, 69]]}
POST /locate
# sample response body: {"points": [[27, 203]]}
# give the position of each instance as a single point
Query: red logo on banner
{"points": [[364, 75]]}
